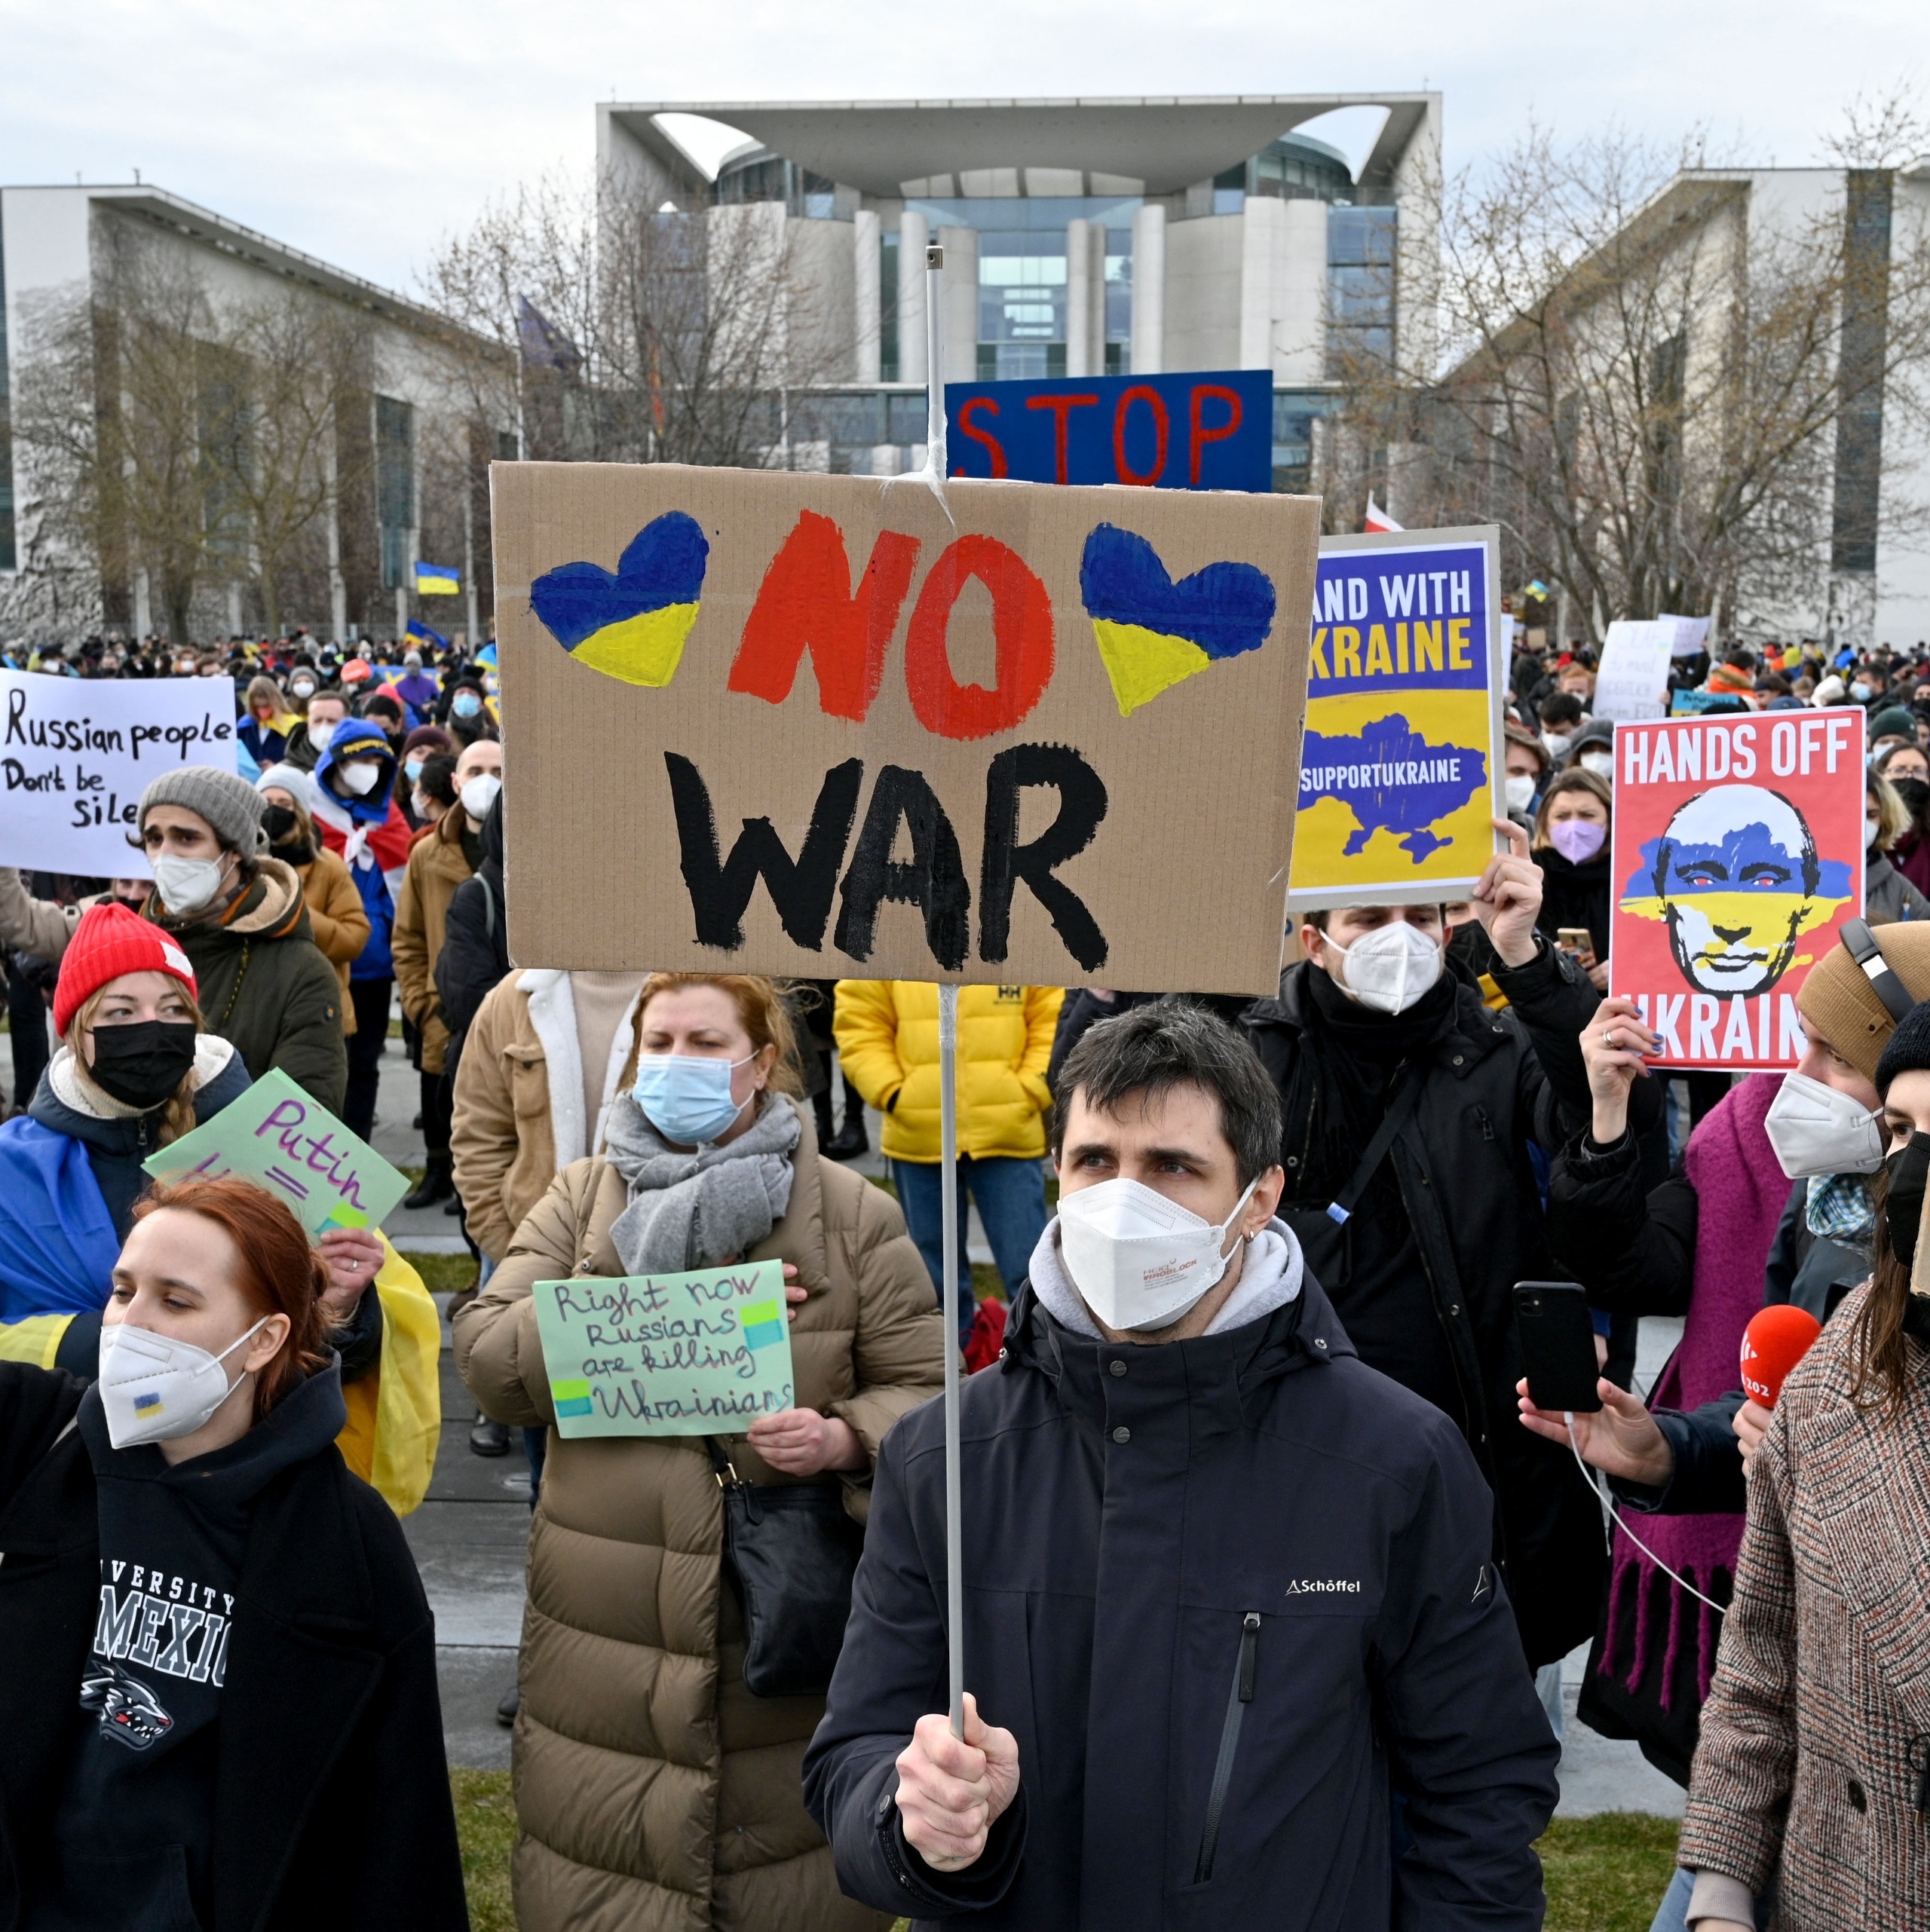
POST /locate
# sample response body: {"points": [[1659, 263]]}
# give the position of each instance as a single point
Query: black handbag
{"points": [[791, 1551]]}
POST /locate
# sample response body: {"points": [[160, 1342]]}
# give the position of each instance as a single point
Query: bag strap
{"points": [[1400, 1111], [720, 1465]]}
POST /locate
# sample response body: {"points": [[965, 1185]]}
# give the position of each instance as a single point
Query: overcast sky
{"points": [[362, 132]]}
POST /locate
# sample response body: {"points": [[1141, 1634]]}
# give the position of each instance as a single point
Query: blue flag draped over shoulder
{"points": [[57, 1244]]}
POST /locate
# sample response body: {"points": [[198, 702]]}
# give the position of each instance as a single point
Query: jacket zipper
{"points": [[1223, 1768]]}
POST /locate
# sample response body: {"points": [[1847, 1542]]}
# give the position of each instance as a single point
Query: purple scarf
{"points": [[1740, 1192]]}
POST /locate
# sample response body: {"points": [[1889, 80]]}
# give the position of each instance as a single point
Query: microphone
{"points": [[1775, 1340]]}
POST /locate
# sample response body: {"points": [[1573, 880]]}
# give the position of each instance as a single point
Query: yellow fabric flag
{"points": [[35, 1339], [395, 1412]]}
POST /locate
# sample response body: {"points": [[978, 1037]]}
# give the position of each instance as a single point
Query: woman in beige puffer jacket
{"points": [[653, 1790]]}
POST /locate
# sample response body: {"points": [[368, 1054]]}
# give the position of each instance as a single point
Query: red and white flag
{"points": [[1377, 519]]}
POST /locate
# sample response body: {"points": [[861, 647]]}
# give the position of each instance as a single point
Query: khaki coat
{"points": [[338, 918], [653, 1792], [436, 868], [1817, 1730]]}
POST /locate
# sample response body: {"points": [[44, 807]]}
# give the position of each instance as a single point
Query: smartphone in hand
{"points": [[1578, 943], [1557, 1345]]}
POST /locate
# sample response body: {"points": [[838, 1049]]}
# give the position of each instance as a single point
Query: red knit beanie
{"points": [[108, 942]]}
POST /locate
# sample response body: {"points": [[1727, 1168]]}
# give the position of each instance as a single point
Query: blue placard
{"points": [[1209, 430]]}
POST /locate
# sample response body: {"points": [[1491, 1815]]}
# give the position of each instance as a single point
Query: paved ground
{"points": [[469, 1535]]}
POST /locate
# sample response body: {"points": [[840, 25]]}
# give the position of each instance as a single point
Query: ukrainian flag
{"points": [[422, 634], [437, 580], [631, 625]]}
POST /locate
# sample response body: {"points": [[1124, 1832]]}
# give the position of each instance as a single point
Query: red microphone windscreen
{"points": [[1773, 1343]]}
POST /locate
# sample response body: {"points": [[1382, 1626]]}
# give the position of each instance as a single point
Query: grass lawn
{"points": [[442, 1272], [1605, 1873]]}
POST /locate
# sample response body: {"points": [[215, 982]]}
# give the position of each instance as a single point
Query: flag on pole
{"points": [[426, 635], [437, 580], [1377, 519]]}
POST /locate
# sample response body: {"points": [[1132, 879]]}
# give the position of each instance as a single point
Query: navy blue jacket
{"points": [[1247, 1550]]}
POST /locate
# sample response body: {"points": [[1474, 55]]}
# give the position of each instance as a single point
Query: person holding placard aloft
{"points": [[634, 1644], [239, 916]]}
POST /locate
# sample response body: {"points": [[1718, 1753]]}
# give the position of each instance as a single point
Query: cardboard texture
{"points": [[77, 753], [1738, 854], [1402, 763], [765, 722], [276, 1135], [700, 1354]]}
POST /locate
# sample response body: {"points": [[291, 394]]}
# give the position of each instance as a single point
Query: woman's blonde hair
{"points": [[265, 690], [1576, 778], [1892, 814], [179, 1117], [762, 1006]]}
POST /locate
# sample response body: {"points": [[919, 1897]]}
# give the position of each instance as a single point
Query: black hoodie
{"points": [[136, 1820]]}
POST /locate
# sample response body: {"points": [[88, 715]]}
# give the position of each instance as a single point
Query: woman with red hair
{"points": [[222, 1709]]}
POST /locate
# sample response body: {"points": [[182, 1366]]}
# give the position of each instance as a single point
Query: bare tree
{"points": [[1648, 380]]}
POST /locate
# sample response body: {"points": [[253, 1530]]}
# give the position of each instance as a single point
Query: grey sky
{"points": [[361, 132]]}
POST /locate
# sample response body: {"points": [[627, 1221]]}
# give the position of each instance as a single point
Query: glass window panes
{"points": [[1362, 238]]}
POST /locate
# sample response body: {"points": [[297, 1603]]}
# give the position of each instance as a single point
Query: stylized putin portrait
{"points": [[1737, 880]]}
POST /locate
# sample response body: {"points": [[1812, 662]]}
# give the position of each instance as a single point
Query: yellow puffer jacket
{"points": [[887, 1039]]}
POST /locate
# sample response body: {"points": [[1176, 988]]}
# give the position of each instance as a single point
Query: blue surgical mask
{"points": [[412, 770], [687, 1096], [465, 704]]}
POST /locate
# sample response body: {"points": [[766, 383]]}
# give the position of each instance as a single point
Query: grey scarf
{"points": [[695, 1209]]}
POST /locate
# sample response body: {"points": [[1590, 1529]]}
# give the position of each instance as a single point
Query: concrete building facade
{"points": [[1081, 237]]}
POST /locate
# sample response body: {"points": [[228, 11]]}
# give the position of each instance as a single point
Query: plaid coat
{"points": [[1816, 1735]]}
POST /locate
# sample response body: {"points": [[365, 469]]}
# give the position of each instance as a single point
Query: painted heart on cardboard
{"points": [[1151, 631], [631, 625]]}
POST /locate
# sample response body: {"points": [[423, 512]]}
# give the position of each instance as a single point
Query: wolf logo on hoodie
{"points": [[128, 1710]]}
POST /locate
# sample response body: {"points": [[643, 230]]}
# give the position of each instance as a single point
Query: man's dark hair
{"points": [[1172, 1043], [1561, 707], [438, 779]]}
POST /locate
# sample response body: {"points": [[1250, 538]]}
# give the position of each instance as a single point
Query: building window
{"points": [[395, 488], [1230, 190], [887, 307], [1360, 289]]}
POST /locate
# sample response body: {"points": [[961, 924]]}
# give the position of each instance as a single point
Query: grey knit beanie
{"points": [[229, 804]]}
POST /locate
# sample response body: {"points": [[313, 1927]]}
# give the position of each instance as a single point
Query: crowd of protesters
{"points": [[1271, 1560]]}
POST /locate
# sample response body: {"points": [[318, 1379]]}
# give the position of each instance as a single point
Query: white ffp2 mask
{"points": [[186, 885], [1390, 967], [1520, 787], [156, 1388], [1816, 1128], [1138, 1260]]}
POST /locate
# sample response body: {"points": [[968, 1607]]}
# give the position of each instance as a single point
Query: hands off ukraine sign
{"points": [[831, 726], [1400, 767]]}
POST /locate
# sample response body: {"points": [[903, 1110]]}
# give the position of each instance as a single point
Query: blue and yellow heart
{"points": [[1152, 631], [631, 625]]}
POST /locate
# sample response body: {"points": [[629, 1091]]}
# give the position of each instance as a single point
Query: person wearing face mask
{"points": [[183, 1748], [1906, 768], [466, 712], [437, 863], [1560, 719], [266, 725], [237, 913], [355, 811], [415, 688], [323, 711], [336, 916], [1527, 769], [1592, 748], [1409, 1109], [424, 743], [708, 1159], [1571, 846], [1772, 1203], [1888, 896], [1227, 1588]]}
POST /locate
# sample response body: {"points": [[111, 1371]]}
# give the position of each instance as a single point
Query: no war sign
{"points": [[823, 725]]}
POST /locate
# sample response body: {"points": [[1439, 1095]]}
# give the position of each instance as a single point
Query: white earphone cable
{"points": [[1609, 1513]]}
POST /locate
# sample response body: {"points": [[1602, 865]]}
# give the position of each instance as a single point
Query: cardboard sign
{"points": [[1692, 634], [701, 1354], [832, 726], [1633, 677], [1401, 768], [275, 1134], [1203, 432], [1737, 854], [77, 753]]}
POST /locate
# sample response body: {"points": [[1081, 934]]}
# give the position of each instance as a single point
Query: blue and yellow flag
{"points": [[437, 580], [423, 634]]}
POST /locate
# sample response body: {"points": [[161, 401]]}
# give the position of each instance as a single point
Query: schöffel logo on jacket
{"points": [[1332, 1586]]}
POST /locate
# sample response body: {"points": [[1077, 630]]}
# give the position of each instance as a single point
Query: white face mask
{"points": [[302, 688], [1816, 1128], [319, 735], [479, 793], [1389, 969], [1557, 742], [156, 1388], [361, 779], [1602, 763], [186, 885], [1521, 791], [1138, 1260]]}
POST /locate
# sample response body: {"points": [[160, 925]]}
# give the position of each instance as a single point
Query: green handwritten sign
{"points": [[701, 1354], [276, 1135]]}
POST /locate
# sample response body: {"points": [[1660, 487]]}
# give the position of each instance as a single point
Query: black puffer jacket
{"points": [[1243, 1564], [1573, 895], [476, 941], [1460, 1172]]}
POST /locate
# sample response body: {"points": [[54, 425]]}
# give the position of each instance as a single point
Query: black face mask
{"points": [[143, 1062], [278, 821], [1915, 793]]}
